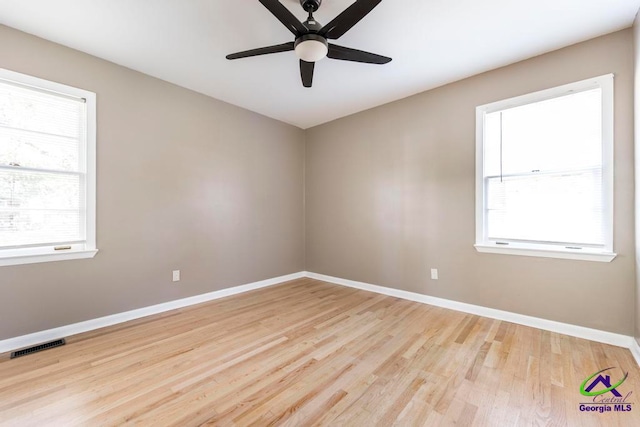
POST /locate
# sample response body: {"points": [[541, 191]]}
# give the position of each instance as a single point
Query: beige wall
{"points": [[184, 182], [636, 48], [390, 194]]}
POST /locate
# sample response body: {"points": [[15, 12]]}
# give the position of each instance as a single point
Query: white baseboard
{"points": [[635, 350], [549, 325], [535, 322], [90, 325]]}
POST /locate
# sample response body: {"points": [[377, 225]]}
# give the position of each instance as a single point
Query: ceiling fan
{"points": [[311, 43]]}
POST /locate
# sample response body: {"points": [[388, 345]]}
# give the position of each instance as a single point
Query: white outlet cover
{"points": [[434, 274], [176, 275]]}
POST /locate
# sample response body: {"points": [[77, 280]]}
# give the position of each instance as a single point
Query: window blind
{"points": [[42, 167], [543, 172]]}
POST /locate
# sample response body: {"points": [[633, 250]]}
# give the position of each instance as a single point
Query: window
{"points": [[544, 173], [47, 171]]}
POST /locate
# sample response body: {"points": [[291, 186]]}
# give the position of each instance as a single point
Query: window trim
{"points": [[483, 244], [88, 249]]}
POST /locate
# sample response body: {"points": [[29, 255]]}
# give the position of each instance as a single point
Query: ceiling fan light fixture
{"points": [[311, 47]]}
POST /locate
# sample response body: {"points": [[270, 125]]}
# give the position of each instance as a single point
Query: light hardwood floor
{"points": [[312, 353]]}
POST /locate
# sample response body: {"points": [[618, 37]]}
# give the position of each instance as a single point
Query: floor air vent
{"points": [[37, 348]]}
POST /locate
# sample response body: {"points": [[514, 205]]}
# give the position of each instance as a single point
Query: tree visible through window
{"points": [[47, 167]]}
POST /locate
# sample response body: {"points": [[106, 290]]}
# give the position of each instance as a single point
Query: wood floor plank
{"points": [[312, 353]]}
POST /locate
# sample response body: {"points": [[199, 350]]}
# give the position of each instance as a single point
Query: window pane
{"points": [[558, 134], [40, 208], [35, 150], [37, 111], [557, 207]]}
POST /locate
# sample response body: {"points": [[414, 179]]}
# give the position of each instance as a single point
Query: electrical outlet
{"points": [[434, 274], [176, 275]]}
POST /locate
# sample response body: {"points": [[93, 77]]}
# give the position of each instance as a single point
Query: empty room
{"points": [[332, 213]]}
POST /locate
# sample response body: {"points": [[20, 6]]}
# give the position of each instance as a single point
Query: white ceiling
{"points": [[432, 42]]}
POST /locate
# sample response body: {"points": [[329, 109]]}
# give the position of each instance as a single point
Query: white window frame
{"points": [[483, 244], [47, 253]]}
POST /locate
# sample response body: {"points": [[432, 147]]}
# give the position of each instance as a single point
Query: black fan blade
{"points": [[306, 72], [284, 16], [348, 54], [284, 47], [347, 19]]}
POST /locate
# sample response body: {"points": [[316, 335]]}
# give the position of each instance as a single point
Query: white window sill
{"points": [[583, 255], [32, 258]]}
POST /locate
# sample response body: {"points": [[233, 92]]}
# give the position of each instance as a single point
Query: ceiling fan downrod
{"points": [[311, 6]]}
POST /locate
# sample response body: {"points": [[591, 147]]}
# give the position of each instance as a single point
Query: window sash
{"points": [[43, 224], [569, 203], [569, 250], [81, 242]]}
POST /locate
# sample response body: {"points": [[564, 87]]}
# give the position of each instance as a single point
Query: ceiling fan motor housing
{"points": [[312, 25], [310, 5]]}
